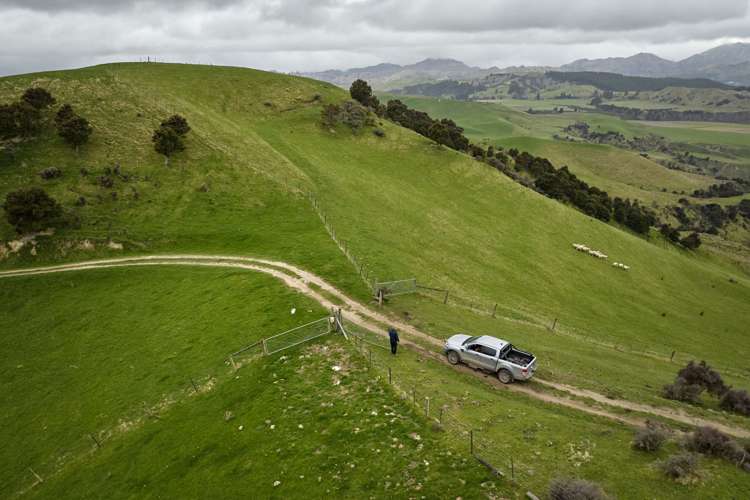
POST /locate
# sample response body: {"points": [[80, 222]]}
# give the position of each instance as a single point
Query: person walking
{"points": [[393, 335]]}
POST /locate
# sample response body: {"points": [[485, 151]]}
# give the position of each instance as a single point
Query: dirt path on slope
{"points": [[361, 315]]}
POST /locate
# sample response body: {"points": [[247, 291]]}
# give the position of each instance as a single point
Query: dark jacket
{"points": [[393, 334]]}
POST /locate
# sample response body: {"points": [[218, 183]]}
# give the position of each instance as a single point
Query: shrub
{"points": [[680, 465], [703, 375], [38, 97], [691, 241], [680, 390], [350, 113], [649, 438], [50, 173], [575, 489], [106, 181], [379, 132], [710, 441], [31, 210], [737, 401]]}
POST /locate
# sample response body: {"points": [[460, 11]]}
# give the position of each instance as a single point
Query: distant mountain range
{"points": [[726, 63], [393, 76]]}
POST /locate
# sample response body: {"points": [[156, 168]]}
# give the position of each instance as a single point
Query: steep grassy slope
{"points": [[229, 192]]}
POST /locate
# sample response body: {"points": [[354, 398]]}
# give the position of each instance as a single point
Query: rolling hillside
{"points": [[406, 207]]}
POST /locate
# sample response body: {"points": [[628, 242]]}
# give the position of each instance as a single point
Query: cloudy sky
{"points": [[306, 35]]}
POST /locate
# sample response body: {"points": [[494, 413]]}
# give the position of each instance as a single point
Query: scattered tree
{"points": [[64, 114], [31, 210], [75, 131], [38, 97], [178, 123], [361, 91], [167, 142]]}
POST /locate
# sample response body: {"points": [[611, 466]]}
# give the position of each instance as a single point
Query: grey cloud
{"points": [[608, 15], [313, 35]]}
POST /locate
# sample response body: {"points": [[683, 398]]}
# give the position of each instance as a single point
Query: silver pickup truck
{"points": [[491, 354]]}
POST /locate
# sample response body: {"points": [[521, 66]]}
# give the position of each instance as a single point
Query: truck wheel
{"points": [[504, 376], [453, 358]]}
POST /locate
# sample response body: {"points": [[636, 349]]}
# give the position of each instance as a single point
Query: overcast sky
{"points": [[306, 35]]}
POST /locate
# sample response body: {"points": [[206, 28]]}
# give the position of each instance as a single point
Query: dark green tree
{"points": [[167, 142], [75, 131], [38, 97], [361, 91], [31, 210], [64, 114], [178, 123], [691, 241]]}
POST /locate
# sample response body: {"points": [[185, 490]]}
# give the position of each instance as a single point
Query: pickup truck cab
{"points": [[492, 354]]}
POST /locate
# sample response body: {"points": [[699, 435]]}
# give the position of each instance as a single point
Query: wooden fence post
{"points": [[494, 311], [672, 356], [390, 376], [554, 324], [441, 415], [445, 299], [265, 348], [427, 407], [471, 441]]}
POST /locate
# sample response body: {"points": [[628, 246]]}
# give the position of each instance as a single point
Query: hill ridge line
{"points": [[373, 321]]}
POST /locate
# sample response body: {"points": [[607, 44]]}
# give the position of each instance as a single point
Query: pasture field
{"points": [[403, 205]]}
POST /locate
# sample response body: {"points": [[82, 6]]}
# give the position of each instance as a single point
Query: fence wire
{"points": [[435, 406], [394, 288], [296, 336]]}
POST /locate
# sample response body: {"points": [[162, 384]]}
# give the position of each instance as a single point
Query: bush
{"points": [[31, 210], [38, 97], [649, 438], [680, 390], [691, 241], [680, 465], [350, 113], [106, 181], [710, 441], [50, 173], [575, 489], [703, 375], [379, 132], [737, 401]]}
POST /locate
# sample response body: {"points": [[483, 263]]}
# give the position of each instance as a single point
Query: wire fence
{"points": [[436, 407], [365, 272]]}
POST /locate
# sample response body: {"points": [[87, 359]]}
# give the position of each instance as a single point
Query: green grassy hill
{"points": [[404, 205]]}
